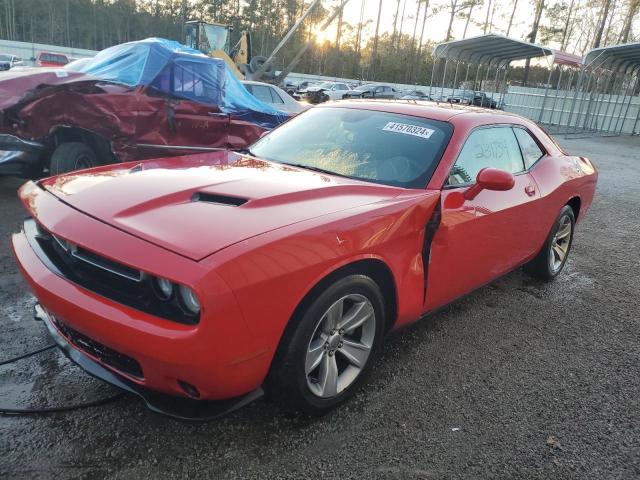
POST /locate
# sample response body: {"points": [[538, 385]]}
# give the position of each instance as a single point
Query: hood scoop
{"points": [[218, 199]]}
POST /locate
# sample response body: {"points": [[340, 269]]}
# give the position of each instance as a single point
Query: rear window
{"points": [[53, 58], [379, 147]]}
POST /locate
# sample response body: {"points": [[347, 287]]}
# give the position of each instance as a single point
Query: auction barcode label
{"points": [[407, 129]]}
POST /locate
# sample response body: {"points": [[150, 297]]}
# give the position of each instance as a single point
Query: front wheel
{"points": [[71, 156], [554, 253], [328, 350]]}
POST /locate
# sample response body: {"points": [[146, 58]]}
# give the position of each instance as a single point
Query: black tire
{"points": [[287, 383], [257, 62], [541, 266], [71, 156]]}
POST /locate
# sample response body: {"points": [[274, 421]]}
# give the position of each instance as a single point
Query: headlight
{"points": [[164, 288], [189, 300]]}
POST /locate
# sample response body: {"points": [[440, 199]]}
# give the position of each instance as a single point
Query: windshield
{"points": [[379, 147], [216, 37], [364, 87], [5, 58], [325, 85]]}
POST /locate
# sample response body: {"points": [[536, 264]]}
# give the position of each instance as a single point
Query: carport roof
{"points": [[490, 47], [616, 57]]}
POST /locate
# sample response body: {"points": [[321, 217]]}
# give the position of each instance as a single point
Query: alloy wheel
{"points": [[340, 345], [560, 243]]}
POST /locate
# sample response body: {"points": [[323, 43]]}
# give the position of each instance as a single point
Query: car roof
{"points": [[435, 111]]}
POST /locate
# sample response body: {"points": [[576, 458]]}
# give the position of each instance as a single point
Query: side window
{"points": [[262, 93], [275, 98], [495, 147], [530, 149], [379, 89]]}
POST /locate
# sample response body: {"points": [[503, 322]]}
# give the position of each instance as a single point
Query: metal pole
{"points": [[475, 81], [444, 76], [615, 71], [595, 119], [286, 38], [555, 98], [624, 99], [433, 72], [567, 90], [466, 77], [575, 98], [495, 83], [546, 94], [505, 87], [615, 105], [455, 78], [635, 86]]}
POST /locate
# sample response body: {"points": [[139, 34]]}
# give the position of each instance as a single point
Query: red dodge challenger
{"points": [[200, 282]]}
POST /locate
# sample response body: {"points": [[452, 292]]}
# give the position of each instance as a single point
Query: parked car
{"points": [[325, 91], [275, 96], [197, 282], [371, 90], [50, 59], [130, 102], [294, 88], [8, 62], [413, 95], [479, 99]]}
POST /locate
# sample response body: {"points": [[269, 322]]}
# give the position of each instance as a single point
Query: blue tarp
{"points": [[182, 72]]}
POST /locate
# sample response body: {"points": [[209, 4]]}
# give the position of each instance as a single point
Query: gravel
{"points": [[517, 380]]}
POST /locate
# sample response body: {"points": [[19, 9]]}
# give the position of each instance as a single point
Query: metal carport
{"points": [[605, 100], [485, 54]]}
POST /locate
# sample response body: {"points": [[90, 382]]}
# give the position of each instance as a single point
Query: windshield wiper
{"points": [[317, 169], [244, 151]]}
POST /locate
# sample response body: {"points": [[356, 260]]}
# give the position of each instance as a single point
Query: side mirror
{"points": [[490, 179]]}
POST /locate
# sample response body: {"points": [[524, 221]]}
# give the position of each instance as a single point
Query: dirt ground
{"points": [[518, 380]]}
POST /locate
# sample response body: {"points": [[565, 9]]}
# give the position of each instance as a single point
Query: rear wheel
{"points": [[554, 253], [71, 156], [328, 350]]}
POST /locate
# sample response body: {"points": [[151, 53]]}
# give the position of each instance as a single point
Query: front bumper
{"points": [[19, 157], [218, 356], [11, 142], [178, 407]]}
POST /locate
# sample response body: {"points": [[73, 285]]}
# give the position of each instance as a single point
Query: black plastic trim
{"points": [[182, 408], [126, 291]]}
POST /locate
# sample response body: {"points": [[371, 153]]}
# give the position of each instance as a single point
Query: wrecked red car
{"points": [[134, 101]]}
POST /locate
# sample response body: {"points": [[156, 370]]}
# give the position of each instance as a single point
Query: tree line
{"points": [[359, 50]]}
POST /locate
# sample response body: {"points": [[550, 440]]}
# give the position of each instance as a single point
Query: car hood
{"points": [[315, 89], [21, 85], [197, 205]]}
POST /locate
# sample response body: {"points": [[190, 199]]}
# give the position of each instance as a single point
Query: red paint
{"points": [[252, 264]]}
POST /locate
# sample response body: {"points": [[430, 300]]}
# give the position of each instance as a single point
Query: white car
{"points": [[7, 62], [332, 90], [274, 96]]}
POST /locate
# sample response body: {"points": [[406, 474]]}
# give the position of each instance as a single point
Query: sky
{"points": [[436, 26]]}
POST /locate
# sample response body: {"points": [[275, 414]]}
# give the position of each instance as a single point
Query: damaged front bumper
{"points": [[20, 157], [182, 408]]}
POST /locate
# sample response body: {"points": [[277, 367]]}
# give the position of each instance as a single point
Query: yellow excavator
{"points": [[214, 39]]}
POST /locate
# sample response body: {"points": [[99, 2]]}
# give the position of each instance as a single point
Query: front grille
{"points": [[106, 355], [103, 276]]}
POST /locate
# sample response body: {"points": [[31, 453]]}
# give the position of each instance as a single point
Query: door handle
{"points": [[530, 190]]}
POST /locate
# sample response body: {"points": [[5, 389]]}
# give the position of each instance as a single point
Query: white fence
{"points": [[28, 51], [567, 112]]}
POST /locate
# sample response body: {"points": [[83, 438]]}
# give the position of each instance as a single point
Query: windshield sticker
{"points": [[407, 129]]}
